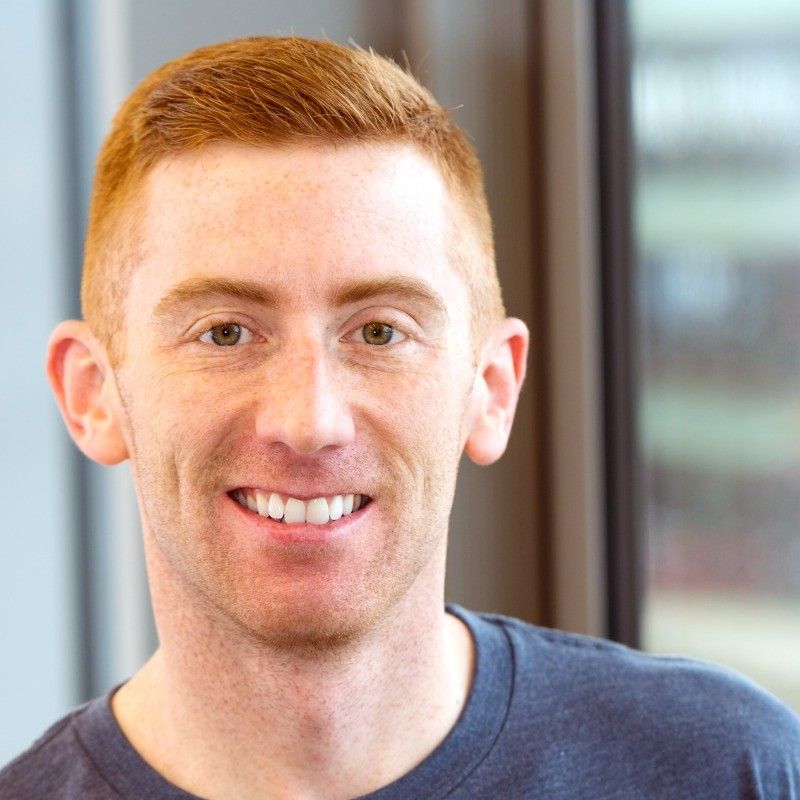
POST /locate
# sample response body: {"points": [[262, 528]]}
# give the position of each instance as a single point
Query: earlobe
{"points": [[494, 400], [83, 385]]}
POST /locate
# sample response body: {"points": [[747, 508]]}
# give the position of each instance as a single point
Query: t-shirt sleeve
{"points": [[760, 738], [710, 732], [597, 719], [55, 766]]}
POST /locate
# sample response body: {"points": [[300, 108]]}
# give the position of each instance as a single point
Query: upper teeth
{"points": [[289, 509]]}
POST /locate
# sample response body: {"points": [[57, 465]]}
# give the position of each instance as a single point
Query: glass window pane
{"points": [[716, 107]]}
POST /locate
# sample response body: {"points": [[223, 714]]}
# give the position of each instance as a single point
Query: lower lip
{"points": [[301, 532]]}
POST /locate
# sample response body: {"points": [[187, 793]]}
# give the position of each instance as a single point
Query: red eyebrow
{"points": [[398, 286], [194, 289]]}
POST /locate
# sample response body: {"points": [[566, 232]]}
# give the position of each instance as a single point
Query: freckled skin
{"points": [[304, 400]]}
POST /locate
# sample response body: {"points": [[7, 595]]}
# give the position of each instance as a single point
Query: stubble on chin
{"points": [[336, 598], [220, 600], [213, 584]]}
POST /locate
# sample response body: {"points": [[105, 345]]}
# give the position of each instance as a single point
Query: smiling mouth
{"points": [[290, 510]]}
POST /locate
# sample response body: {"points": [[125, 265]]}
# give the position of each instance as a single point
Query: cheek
{"points": [[423, 416], [174, 424]]}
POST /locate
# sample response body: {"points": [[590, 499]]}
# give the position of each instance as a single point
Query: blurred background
{"points": [[642, 162]]}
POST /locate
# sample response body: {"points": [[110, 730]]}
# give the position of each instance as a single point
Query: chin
{"points": [[318, 598], [319, 629]]}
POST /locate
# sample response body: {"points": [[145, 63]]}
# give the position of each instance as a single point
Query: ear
{"points": [[501, 372], [83, 383]]}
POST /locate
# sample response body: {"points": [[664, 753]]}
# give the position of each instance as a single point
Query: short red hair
{"points": [[266, 91]]}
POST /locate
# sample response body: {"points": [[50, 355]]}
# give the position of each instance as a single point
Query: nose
{"points": [[302, 405]]}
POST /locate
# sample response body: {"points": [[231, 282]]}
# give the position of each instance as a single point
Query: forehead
{"points": [[302, 215]]}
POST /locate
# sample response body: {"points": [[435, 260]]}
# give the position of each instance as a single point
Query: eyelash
{"points": [[395, 330], [248, 336]]}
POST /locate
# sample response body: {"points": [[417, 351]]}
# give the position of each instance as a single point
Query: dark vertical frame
{"points": [[538, 367], [624, 530], [72, 161]]}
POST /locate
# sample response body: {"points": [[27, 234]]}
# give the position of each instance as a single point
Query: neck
{"points": [[224, 716]]}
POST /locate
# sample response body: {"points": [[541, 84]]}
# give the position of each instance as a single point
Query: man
{"points": [[293, 328]]}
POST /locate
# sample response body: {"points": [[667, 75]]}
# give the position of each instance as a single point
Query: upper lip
{"points": [[303, 494]]}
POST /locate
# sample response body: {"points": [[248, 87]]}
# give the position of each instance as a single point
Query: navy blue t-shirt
{"points": [[550, 716]]}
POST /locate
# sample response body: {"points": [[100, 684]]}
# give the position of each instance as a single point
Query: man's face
{"points": [[295, 330]]}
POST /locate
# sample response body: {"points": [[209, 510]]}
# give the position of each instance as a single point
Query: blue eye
{"points": [[227, 334]]}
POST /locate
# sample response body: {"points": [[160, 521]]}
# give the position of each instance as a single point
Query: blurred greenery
{"points": [[754, 215], [703, 427], [681, 22], [717, 228]]}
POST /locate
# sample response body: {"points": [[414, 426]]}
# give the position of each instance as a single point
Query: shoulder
{"points": [[55, 765], [596, 696], [629, 681]]}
